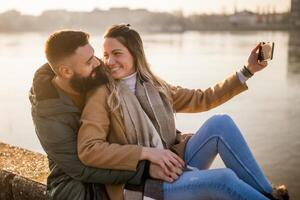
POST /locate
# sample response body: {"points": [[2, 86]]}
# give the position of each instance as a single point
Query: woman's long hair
{"points": [[133, 42]]}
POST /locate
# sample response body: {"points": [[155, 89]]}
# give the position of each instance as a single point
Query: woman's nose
{"points": [[110, 61]]}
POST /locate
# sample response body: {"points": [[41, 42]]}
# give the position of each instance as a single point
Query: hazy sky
{"points": [[187, 6]]}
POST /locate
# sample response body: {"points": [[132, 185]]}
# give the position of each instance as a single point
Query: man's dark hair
{"points": [[62, 44]]}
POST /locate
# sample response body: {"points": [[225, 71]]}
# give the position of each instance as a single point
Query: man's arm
{"points": [[60, 143]]}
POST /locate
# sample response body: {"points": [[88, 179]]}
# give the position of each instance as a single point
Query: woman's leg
{"points": [[214, 184], [220, 135]]}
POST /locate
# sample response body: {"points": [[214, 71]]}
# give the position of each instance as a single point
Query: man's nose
{"points": [[96, 62]]}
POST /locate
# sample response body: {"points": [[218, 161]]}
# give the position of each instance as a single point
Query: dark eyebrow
{"points": [[116, 50]]}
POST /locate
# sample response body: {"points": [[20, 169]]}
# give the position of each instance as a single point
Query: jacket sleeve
{"points": [[59, 141], [93, 146], [197, 100]]}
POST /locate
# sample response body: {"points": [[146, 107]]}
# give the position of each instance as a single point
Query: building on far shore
{"points": [[244, 18]]}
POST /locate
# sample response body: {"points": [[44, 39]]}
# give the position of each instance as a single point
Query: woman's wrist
{"points": [[246, 71], [144, 154]]}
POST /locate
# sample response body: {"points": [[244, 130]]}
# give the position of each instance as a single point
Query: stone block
{"points": [[26, 189]]}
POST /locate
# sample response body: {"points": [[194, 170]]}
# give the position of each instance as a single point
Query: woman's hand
{"points": [[157, 172], [253, 64], [166, 159]]}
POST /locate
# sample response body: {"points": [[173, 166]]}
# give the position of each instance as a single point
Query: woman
{"points": [[132, 119]]}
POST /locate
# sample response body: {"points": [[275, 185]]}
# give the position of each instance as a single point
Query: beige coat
{"points": [[101, 139]]}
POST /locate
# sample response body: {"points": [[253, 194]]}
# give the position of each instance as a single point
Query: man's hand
{"points": [[253, 64], [157, 172], [166, 159]]}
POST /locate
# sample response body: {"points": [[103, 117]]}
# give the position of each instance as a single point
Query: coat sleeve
{"points": [[197, 100], [59, 141], [93, 146]]}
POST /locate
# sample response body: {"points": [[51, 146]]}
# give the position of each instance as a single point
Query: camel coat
{"points": [[102, 140]]}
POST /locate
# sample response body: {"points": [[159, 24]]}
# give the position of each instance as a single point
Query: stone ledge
{"points": [[5, 184], [26, 189], [23, 174]]}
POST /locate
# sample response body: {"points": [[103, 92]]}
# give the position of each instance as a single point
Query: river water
{"points": [[268, 113]]}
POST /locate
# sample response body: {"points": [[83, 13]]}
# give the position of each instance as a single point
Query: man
{"points": [[57, 99]]}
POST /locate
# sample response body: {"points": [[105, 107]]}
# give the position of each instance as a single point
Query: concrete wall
{"points": [[19, 180], [14, 187]]}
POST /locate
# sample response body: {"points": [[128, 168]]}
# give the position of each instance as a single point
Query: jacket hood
{"points": [[45, 98]]}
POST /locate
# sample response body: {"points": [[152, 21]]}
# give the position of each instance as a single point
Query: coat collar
{"points": [[45, 98]]}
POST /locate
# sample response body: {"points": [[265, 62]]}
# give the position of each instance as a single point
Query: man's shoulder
{"points": [[46, 99], [42, 87]]}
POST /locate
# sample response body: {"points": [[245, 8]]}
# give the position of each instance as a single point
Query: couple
{"points": [[108, 127]]}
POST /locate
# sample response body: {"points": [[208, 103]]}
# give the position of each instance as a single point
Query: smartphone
{"points": [[266, 51]]}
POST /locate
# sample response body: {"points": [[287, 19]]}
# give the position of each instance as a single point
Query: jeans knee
{"points": [[220, 122], [227, 176], [221, 118]]}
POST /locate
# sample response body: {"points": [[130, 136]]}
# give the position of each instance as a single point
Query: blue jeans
{"points": [[241, 179]]}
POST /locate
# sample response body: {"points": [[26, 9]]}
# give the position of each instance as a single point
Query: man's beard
{"points": [[84, 84]]}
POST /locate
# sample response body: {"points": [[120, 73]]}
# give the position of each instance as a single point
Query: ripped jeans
{"points": [[241, 179]]}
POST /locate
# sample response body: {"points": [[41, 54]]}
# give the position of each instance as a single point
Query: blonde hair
{"points": [[133, 42]]}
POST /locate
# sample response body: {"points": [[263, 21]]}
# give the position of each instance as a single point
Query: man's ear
{"points": [[65, 71]]}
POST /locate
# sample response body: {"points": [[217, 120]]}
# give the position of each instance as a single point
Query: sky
{"points": [[36, 7]]}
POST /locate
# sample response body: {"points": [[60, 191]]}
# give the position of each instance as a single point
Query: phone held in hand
{"points": [[266, 51]]}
